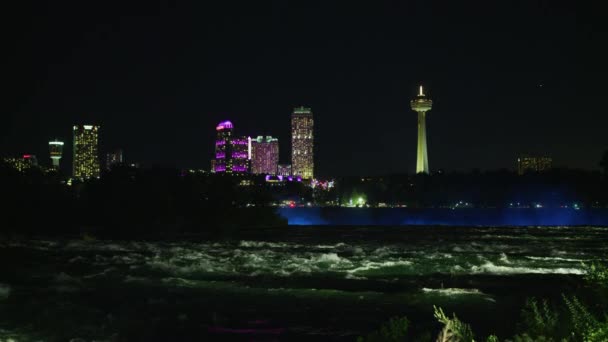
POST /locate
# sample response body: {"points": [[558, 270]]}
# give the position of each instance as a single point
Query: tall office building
{"points": [[422, 104], [113, 158], [264, 155], [56, 152], [232, 153], [86, 155], [302, 158], [526, 163]]}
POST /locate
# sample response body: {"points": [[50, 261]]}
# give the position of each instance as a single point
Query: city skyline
{"points": [[245, 155], [157, 79]]}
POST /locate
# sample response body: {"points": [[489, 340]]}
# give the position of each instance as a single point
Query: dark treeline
{"points": [[128, 201], [555, 188]]}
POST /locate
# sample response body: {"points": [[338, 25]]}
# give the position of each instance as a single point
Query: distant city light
{"points": [[224, 125]]}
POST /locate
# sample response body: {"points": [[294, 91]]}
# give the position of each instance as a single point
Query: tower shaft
{"points": [[422, 161]]}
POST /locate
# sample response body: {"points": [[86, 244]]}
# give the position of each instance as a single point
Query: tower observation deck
{"points": [[422, 104]]}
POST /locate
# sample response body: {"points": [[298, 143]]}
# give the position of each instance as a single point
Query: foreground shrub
{"points": [[453, 330]]}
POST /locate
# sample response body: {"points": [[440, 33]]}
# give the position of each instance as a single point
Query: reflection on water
{"points": [[292, 283]]}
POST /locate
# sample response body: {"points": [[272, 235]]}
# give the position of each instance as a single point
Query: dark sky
{"points": [[506, 77]]}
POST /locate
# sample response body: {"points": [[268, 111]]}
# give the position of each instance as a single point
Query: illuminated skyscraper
{"points": [[528, 163], [264, 155], [232, 154], [422, 104], [114, 158], [56, 152], [302, 158], [86, 155]]}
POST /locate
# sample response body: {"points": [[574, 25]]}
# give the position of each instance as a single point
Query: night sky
{"points": [[505, 77]]}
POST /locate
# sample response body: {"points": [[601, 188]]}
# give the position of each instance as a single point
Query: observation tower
{"points": [[422, 104], [56, 152]]}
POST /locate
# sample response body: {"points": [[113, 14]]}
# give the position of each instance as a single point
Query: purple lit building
{"points": [[232, 154], [284, 169], [264, 155]]}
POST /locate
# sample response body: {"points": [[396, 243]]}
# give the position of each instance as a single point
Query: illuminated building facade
{"points": [[56, 152], [264, 155], [527, 163], [86, 153], [232, 154], [24, 163], [302, 158], [422, 104], [284, 169], [114, 158]]}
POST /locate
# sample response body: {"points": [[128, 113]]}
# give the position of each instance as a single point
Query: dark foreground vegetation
{"points": [[129, 201], [570, 320]]}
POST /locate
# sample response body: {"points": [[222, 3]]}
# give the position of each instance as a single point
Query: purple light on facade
{"points": [[238, 168], [267, 178], [264, 155], [220, 142], [299, 179], [240, 142], [220, 155], [241, 155], [220, 168], [281, 178], [290, 179], [224, 125]]}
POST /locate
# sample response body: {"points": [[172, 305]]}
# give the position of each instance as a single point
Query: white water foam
{"points": [[453, 291], [373, 265], [491, 268], [554, 259], [327, 258], [504, 259]]}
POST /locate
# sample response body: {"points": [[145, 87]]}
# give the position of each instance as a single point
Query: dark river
{"points": [[296, 283]]}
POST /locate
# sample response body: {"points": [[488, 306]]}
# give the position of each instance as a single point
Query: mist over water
{"points": [[289, 283], [447, 217]]}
